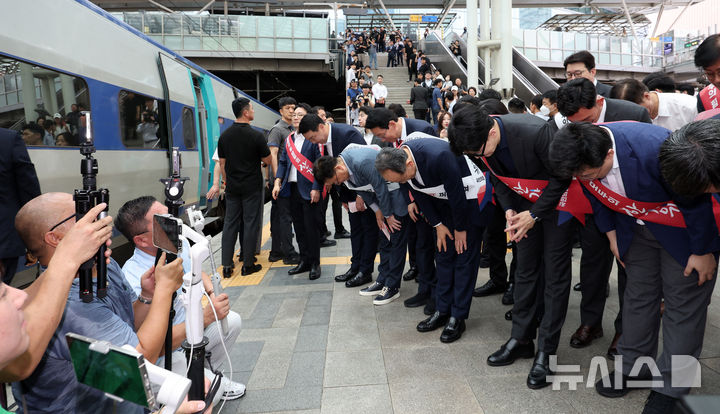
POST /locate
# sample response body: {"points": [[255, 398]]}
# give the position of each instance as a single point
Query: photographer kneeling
{"points": [[43, 224]]}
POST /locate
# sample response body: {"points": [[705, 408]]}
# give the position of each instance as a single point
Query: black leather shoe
{"points": [[328, 243], [512, 350], [274, 257], [577, 287], [359, 280], [292, 259], [416, 301], [508, 315], [453, 330], [509, 295], [346, 276], [300, 268], [343, 234], [435, 321], [248, 270], [658, 403], [314, 271], [228, 271], [410, 274], [489, 288], [537, 378], [429, 308], [613, 391], [585, 335]]}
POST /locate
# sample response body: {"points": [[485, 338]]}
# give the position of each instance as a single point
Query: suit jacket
{"points": [[528, 138], [418, 125], [311, 152], [342, 135], [603, 89], [621, 110], [20, 185], [437, 165], [419, 98], [637, 147], [385, 196]]}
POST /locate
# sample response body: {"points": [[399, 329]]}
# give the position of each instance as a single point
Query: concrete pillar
{"points": [[47, 93], [68, 92], [485, 36], [472, 50], [502, 31], [28, 92]]}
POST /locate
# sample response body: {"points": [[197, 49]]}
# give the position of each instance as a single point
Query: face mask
{"points": [[544, 110]]}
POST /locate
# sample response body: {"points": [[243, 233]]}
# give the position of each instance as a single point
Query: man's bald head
{"points": [[41, 213]]}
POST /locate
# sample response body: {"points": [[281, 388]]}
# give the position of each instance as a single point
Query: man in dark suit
{"points": [[419, 99], [578, 101], [363, 230], [445, 189], [20, 185], [582, 65], [668, 250], [294, 180], [516, 147], [392, 129]]}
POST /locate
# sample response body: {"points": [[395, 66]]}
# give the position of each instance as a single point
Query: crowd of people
{"points": [[636, 194], [60, 131]]}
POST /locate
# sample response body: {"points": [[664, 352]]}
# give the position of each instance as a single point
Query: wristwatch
{"points": [[534, 217]]}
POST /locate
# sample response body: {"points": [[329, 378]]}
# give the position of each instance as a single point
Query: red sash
{"points": [[666, 213], [299, 161], [709, 97], [573, 200]]}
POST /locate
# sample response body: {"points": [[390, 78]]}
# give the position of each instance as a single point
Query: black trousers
{"points": [[242, 211], [363, 241], [281, 227], [336, 211], [497, 249], [10, 264], [420, 113], [392, 255], [305, 216], [412, 71], [547, 248], [595, 267], [425, 257]]}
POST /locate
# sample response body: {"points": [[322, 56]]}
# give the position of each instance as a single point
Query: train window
{"points": [[42, 103], [140, 121], [188, 125]]}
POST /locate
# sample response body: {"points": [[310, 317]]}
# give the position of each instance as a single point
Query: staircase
{"points": [[395, 79]]}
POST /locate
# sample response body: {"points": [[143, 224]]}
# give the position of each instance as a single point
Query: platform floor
{"points": [[319, 347]]}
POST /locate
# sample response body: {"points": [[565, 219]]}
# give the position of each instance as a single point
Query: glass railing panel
{"points": [[301, 28], [266, 44], [301, 45], [173, 42], [284, 27], [192, 43], [283, 45]]}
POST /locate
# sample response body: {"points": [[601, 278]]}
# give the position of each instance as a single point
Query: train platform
{"points": [[318, 347]]}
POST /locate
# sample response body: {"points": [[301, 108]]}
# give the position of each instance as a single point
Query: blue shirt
{"points": [[353, 93], [140, 262], [437, 93], [52, 387]]}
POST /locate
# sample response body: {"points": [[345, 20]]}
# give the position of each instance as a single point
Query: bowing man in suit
{"points": [[444, 187], [516, 147], [578, 101], [363, 230], [355, 167], [663, 256], [393, 129], [295, 180]]}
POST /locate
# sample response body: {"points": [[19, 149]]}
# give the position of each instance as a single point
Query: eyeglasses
{"points": [[575, 74], [62, 222]]}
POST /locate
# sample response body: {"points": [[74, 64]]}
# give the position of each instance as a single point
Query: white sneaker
{"points": [[232, 390]]}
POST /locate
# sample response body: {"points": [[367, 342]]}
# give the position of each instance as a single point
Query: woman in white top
{"points": [[668, 110]]}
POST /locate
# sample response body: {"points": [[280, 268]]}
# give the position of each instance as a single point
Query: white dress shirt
{"points": [[379, 91], [601, 118], [675, 110], [299, 140]]}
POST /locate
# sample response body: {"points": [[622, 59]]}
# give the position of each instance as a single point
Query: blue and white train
{"points": [[72, 51]]}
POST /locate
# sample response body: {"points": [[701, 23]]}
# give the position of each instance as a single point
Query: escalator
{"points": [[528, 79]]}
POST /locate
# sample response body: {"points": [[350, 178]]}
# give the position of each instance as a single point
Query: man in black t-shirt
{"points": [[241, 149]]}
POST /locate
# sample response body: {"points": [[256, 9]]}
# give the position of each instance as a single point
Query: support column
{"points": [[68, 92], [502, 32], [257, 85], [47, 92], [485, 36], [472, 48], [28, 92]]}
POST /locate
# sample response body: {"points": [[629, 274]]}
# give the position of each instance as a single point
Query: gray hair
{"points": [[392, 159]]}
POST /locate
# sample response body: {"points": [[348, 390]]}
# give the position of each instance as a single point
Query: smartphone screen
{"points": [[166, 233], [116, 372]]}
